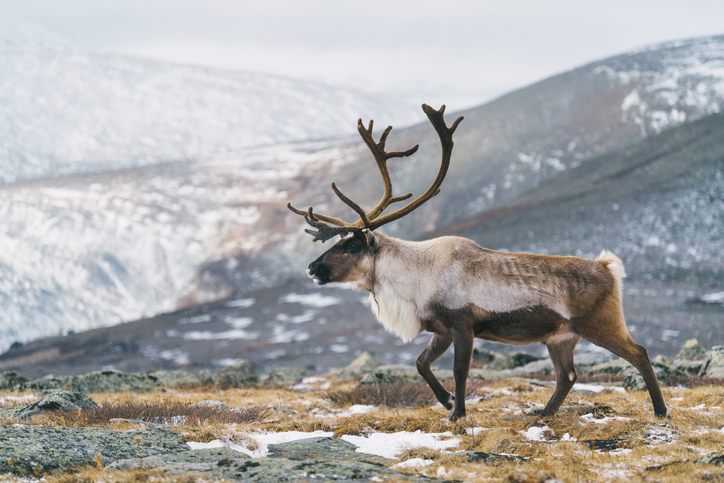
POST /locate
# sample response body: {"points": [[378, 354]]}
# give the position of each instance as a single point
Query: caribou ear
{"points": [[371, 239]]}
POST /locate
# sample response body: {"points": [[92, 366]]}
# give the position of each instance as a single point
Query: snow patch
{"points": [[311, 300], [390, 445]]}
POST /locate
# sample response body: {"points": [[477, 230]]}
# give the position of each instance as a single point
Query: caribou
{"points": [[459, 291]]}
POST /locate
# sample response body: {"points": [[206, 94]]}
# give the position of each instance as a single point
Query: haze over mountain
{"points": [[90, 251], [66, 110]]}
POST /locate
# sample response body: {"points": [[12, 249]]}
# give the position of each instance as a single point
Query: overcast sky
{"points": [[467, 51]]}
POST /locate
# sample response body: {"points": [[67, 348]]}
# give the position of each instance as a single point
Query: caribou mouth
{"points": [[316, 279]]}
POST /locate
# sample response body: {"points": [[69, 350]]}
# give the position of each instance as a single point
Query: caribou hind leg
{"points": [[606, 328], [561, 352]]}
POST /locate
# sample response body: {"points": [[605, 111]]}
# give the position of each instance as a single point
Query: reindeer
{"points": [[459, 291]]}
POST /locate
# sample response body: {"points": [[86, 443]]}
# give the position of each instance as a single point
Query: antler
{"points": [[372, 219]]}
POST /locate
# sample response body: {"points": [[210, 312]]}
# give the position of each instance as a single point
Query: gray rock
{"points": [[481, 457], [692, 351], [515, 359], [286, 375], [65, 400], [181, 379], [591, 358], [690, 368], [712, 459], [713, 365], [99, 381], [211, 403], [51, 448], [610, 368], [12, 381], [238, 374], [379, 378], [364, 364], [664, 372], [314, 459], [485, 358], [543, 366]]}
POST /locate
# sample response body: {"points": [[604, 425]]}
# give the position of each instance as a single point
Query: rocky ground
{"points": [[368, 421]]}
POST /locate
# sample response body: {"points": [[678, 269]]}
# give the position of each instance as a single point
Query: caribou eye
{"points": [[353, 247]]}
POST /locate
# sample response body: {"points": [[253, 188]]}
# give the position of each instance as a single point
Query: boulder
{"points": [[64, 400], [610, 368], [484, 358], [663, 369], [98, 381], [713, 365], [364, 364], [181, 379], [692, 351], [515, 359], [286, 375], [314, 459], [25, 448], [12, 381], [542, 366], [211, 403], [238, 374], [380, 378]]}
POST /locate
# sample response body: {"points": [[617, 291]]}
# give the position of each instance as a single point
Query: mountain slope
{"points": [[64, 110], [93, 250]]}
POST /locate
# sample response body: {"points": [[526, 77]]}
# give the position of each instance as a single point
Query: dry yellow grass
{"points": [[575, 447]]}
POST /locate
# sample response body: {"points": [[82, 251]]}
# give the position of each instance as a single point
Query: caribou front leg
{"points": [[435, 348], [463, 346]]}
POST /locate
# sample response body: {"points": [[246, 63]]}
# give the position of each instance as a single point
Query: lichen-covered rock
{"points": [[211, 403], [481, 457], [610, 368], [286, 375], [65, 400], [713, 365], [391, 374], [181, 379], [25, 448], [515, 359], [485, 358], [12, 381], [692, 351], [542, 366], [712, 459], [314, 459], [238, 374], [98, 381], [364, 364], [633, 381]]}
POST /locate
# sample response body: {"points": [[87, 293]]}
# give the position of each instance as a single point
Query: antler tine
{"points": [[325, 232], [437, 119], [317, 216], [381, 157]]}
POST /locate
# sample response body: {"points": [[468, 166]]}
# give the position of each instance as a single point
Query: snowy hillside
{"points": [[95, 250], [64, 110], [89, 251]]}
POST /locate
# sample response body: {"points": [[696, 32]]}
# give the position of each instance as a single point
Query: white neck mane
{"points": [[400, 293]]}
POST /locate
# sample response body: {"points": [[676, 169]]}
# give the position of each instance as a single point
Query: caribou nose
{"points": [[318, 272]]}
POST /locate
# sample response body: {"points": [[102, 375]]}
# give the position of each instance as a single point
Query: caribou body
{"points": [[459, 291]]}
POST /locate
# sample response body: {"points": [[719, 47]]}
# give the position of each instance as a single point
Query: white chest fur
{"points": [[397, 315]]}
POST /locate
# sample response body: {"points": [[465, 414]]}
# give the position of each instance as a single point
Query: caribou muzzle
{"points": [[318, 271]]}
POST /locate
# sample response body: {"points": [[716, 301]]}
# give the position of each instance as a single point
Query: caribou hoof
{"points": [[455, 414]]}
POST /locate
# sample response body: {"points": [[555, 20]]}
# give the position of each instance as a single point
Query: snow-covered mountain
{"points": [[89, 251], [65, 110]]}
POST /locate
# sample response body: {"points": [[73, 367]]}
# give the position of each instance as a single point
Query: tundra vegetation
{"points": [[604, 433]]}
